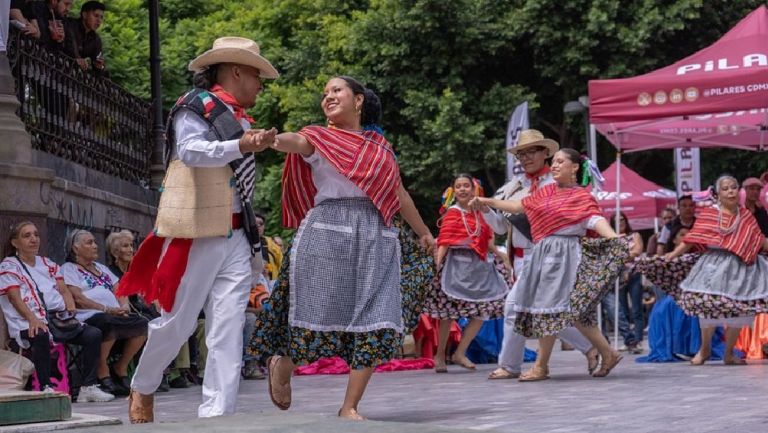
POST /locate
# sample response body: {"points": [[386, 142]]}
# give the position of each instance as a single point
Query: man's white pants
{"points": [[217, 278], [513, 345]]}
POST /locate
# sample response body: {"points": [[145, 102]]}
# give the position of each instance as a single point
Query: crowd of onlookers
{"points": [[50, 22], [636, 296], [45, 305]]}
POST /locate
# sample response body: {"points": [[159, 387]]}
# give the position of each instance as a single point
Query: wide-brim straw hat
{"points": [[232, 49], [532, 138]]}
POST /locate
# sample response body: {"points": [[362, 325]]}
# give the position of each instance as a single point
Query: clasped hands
{"points": [[257, 140], [479, 204]]}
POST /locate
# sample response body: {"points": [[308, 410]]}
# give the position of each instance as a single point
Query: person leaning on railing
{"points": [[39, 308], [83, 43], [21, 18], [50, 15], [92, 285]]}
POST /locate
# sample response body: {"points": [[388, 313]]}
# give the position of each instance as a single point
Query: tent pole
{"points": [[616, 224]]}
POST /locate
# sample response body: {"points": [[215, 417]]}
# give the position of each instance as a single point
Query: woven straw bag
{"points": [[196, 202]]}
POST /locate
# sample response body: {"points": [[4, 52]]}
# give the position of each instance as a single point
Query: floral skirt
{"points": [[274, 335], [440, 305], [668, 274], [602, 260]]}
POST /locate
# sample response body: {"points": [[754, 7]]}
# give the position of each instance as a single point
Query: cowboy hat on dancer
{"points": [[198, 257], [534, 161], [529, 138]]}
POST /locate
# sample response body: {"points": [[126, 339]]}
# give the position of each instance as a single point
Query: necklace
{"points": [[472, 233], [727, 230]]}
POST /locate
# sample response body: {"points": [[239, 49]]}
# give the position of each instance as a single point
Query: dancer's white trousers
{"points": [[513, 345], [217, 279]]}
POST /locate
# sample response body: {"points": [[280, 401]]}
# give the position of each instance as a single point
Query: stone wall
{"points": [[59, 196]]}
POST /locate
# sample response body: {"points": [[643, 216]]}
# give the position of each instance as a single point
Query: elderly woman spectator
{"points": [[38, 307], [92, 285], [120, 249]]}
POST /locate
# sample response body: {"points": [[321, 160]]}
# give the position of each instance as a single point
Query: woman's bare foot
{"points": [[608, 364], [734, 360], [440, 366], [464, 362], [593, 360], [700, 358], [352, 414]]}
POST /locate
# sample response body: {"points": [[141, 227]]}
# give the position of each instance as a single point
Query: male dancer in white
{"points": [[533, 151], [210, 147]]}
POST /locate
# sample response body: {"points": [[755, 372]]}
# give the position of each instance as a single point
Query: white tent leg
{"points": [[616, 223]]}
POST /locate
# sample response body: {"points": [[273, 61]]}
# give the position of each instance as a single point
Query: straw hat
{"points": [[231, 49], [532, 138]]}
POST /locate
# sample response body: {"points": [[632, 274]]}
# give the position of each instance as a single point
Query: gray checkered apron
{"points": [[345, 269]]}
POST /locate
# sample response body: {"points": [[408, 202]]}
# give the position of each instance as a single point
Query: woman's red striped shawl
{"points": [[454, 233], [746, 242], [366, 159], [551, 209]]}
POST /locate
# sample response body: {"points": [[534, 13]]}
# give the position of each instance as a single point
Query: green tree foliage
{"points": [[449, 72]]}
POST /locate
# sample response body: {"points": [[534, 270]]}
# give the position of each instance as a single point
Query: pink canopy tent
{"points": [[641, 200], [671, 107], [717, 97]]}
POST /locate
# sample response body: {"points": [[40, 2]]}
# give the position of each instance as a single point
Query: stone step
{"points": [[23, 407]]}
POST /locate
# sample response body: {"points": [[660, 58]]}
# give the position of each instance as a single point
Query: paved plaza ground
{"points": [[666, 397]]}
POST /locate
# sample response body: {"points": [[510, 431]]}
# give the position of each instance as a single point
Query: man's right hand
{"points": [[257, 140]]}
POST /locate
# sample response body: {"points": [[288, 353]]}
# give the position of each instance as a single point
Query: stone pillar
{"points": [[15, 147]]}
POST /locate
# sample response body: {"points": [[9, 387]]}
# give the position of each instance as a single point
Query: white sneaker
{"points": [[48, 389], [93, 393]]}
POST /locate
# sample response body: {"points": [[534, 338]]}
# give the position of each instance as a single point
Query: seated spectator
{"points": [[21, 17], [752, 187], [50, 15], [666, 217], [120, 249], [83, 43], [92, 285], [686, 208], [37, 306]]}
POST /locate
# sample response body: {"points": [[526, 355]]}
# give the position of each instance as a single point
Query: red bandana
{"points": [[230, 100], [535, 177]]}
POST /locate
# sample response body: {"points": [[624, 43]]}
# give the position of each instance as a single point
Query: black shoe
{"points": [[179, 382], [164, 385], [107, 385], [122, 384]]}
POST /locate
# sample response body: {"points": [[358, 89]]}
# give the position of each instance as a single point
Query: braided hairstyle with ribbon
{"points": [[588, 172], [449, 195]]}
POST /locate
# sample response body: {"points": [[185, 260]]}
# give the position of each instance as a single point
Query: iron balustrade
{"points": [[79, 116]]}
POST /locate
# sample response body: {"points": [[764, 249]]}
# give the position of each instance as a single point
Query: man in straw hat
{"points": [[533, 151], [199, 255]]}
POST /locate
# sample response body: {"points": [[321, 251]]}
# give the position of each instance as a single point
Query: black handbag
{"points": [[63, 325]]}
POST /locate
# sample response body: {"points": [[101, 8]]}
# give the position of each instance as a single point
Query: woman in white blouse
{"points": [[92, 284], [34, 299]]}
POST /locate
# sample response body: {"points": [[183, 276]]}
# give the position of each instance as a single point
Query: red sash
{"points": [[746, 242], [366, 159], [551, 209], [453, 232]]}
